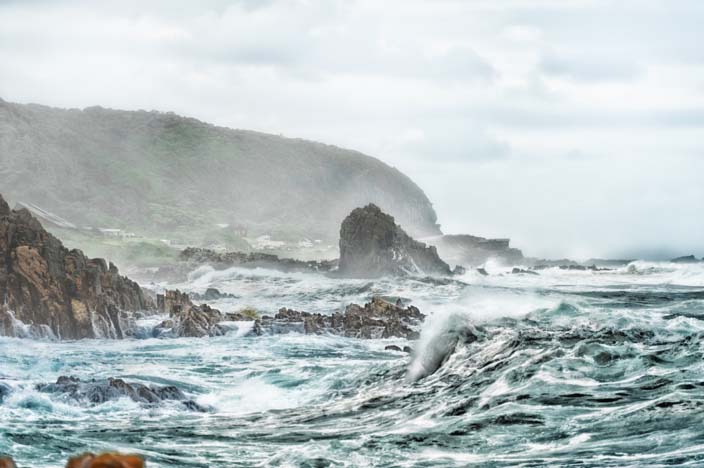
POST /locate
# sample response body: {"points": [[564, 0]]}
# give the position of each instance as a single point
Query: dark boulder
{"points": [[53, 289], [398, 349], [373, 245], [521, 271], [100, 391]]}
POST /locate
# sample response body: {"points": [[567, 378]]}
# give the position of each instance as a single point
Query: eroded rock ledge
{"points": [[59, 292], [376, 319], [100, 391]]}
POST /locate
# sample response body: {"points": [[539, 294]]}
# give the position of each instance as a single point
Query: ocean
{"points": [[564, 368]]}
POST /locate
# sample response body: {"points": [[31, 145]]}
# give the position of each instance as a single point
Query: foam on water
{"points": [[562, 368]]}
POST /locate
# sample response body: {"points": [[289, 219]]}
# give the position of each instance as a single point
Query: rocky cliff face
{"points": [[59, 292], [373, 245]]}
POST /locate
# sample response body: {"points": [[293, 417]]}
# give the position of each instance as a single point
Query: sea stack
{"points": [[373, 245], [51, 291]]}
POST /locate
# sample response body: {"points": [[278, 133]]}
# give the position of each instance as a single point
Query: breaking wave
{"points": [[588, 368]]}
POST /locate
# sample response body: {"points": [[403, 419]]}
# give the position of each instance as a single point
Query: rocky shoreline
{"points": [[376, 319], [59, 292]]}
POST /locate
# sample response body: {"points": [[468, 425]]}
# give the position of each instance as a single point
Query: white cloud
{"points": [[568, 125]]}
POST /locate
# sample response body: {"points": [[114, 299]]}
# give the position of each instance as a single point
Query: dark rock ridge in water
{"points": [[189, 320], [469, 251], [377, 319], [211, 294], [59, 292], [373, 245], [100, 391]]}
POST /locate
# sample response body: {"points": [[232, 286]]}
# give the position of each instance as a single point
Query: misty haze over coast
{"points": [[559, 124], [351, 233]]}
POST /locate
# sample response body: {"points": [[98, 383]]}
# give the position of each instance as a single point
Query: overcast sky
{"points": [[574, 127]]}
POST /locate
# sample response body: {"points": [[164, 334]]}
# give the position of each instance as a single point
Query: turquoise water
{"points": [[569, 369]]}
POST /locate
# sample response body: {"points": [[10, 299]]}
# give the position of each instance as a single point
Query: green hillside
{"points": [[159, 174]]}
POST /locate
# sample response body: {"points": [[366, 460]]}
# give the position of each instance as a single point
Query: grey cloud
{"points": [[439, 89], [589, 68]]}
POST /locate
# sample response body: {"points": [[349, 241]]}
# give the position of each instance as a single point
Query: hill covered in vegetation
{"points": [[161, 174]]}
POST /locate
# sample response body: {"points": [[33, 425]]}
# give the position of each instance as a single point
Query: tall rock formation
{"points": [[59, 292], [373, 245]]}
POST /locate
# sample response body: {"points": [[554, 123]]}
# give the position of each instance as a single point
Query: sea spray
{"points": [[440, 335]]}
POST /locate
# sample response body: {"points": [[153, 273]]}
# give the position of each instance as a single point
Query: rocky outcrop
{"points": [[373, 245], [100, 391], [187, 319], [59, 292], [377, 319], [469, 251], [194, 321]]}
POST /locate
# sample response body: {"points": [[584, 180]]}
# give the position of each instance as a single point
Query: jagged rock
{"points": [[520, 271], [190, 320], [100, 391], [377, 319], [173, 302], [199, 321], [482, 271], [50, 288], [373, 245], [463, 249]]}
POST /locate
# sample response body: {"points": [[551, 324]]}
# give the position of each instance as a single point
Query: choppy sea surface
{"points": [[571, 368]]}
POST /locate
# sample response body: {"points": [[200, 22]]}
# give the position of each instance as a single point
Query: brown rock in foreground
{"points": [[90, 460], [6, 462], [106, 460], [59, 292]]}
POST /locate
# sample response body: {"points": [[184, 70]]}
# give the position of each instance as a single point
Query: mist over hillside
{"points": [[162, 174]]}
